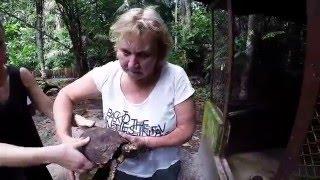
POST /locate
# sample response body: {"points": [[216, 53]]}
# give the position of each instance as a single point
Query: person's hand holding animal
{"points": [[137, 144]]}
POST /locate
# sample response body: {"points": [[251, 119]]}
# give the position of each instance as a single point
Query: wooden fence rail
{"points": [[58, 73]]}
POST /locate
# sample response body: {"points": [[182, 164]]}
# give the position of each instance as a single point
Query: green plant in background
{"points": [[202, 93], [240, 42], [96, 19], [193, 43], [179, 57], [21, 48], [56, 55]]}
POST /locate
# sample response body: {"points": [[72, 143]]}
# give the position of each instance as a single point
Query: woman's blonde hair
{"points": [[139, 21]]}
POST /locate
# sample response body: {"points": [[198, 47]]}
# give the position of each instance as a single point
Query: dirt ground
{"points": [[92, 109]]}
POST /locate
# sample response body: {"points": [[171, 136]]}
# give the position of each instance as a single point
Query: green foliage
{"points": [[21, 48], [240, 42], [96, 17], [272, 34], [193, 42], [179, 57], [56, 55], [220, 34], [202, 93]]}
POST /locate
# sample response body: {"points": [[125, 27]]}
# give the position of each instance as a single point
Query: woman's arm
{"points": [[42, 101], [65, 155], [63, 105], [39, 98], [185, 113]]}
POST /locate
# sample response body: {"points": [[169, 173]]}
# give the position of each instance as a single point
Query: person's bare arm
{"points": [[39, 98], [65, 155], [68, 96], [185, 113], [43, 102]]}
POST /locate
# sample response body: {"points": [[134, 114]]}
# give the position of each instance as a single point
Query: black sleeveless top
{"points": [[17, 128]]}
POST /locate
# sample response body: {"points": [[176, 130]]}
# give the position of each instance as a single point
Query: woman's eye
{"points": [[143, 55], [126, 53]]}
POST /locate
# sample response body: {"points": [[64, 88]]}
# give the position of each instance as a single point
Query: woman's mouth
{"points": [[133, 71]]}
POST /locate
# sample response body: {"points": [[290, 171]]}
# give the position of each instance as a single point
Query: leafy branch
{"points": [[31, 26]]}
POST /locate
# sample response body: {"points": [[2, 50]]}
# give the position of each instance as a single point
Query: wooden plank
{"points": [[212, 126]]}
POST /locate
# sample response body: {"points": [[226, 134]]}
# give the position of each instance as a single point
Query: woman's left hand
{"points": [[139, 142]]}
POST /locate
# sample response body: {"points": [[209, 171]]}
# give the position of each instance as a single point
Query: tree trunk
{"points": [[176, 23], [186, 12], [40, 42], [71, 17], [78, 47], [252, 37]]}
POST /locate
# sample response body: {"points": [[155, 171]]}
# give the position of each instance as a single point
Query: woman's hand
{"points": [[68, 156], [138, 141]]}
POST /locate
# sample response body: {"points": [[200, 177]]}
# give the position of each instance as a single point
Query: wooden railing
{"points": [[58, 73]]}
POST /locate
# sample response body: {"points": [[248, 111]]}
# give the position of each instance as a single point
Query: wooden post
{"points": [[309, 92]]}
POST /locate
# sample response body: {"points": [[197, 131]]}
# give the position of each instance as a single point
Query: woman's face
{"points": [[138, 55]]}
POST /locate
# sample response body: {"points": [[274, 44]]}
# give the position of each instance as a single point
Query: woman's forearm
{"points": [[47, 107], [62, 113], [16, 156], [175, 138]]}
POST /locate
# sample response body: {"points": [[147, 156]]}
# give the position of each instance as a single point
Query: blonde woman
{"points": [[145, 98]]}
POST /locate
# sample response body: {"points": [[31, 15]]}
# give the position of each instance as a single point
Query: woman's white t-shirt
{"points": [[155, 116]]}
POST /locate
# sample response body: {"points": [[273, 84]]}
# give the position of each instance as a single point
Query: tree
{"points": [[175, 23], [71, 16], [186, 12], [20, 23], [39, 24], [253, 35]]}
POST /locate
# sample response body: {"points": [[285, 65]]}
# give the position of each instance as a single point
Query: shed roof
{"points": [[293, 10]]}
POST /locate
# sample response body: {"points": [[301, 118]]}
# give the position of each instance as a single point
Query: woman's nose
{"points": [[133, 62]]}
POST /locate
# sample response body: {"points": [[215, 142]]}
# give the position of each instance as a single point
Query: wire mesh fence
{"points": [[309, 165]]}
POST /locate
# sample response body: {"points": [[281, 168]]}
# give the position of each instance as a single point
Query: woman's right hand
{"points": [[68, 155]]}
